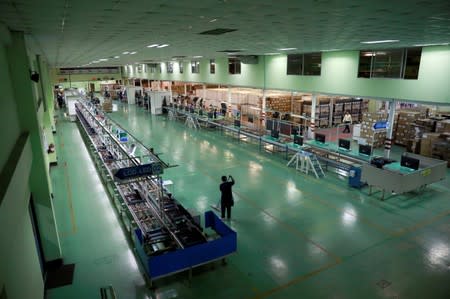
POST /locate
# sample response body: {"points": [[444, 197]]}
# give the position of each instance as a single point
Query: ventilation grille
{"points": [[218, 31]]}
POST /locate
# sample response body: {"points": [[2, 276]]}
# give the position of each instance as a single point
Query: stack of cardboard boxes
{"points": [[107, 105], [374, 138], [404, 130]]}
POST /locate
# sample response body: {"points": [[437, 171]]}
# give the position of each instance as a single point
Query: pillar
{"points": [[312, 123], [390, 129], [263, 109]]}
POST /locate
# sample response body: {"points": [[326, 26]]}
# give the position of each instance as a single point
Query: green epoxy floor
{"points": [[298, 237]]}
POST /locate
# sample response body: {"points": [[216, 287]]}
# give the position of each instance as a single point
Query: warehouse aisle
{"points": [[298, 236], [90, 233]]}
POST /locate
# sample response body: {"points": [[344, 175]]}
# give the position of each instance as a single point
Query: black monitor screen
{"points": [[320, 138], [186, 108], [365, 149], [294, 130], [250, 118], [298, 140], [191, 110], [210, 114], [285, 129], [344, 143], [410, 162], [275, 134], [237, 123], [269, 124], [200, 112]]}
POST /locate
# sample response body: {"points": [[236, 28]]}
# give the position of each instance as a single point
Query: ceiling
{"points": [[72, 33]]}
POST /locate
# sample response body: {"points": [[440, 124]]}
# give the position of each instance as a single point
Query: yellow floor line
{"points": [[422, 224], [296, 280]]}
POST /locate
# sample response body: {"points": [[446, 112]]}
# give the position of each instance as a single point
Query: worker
{"points": [[347, 121], [226, 200]]}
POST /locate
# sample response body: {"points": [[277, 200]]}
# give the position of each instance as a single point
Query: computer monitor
{"points": [[200, 112], [344, 144], [410, 162], [210, 115], [186, 108], [275, 134], [365, 149], [320, 138], [298, 140], [191, 110], [294, 130], [237, 123]]}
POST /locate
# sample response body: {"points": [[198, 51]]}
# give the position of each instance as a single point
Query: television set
{"points": [[344, 144], [269, 124], [365, 149], [275, 134], [321, 138], [298, 140], [285, 129], [410, 162], [237, 123]]}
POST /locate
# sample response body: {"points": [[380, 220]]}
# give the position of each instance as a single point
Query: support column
{"points": [[312, 123], [185, 89], [263, 109], [170, 92], [390, 129], [39, 180], [229, 101]]}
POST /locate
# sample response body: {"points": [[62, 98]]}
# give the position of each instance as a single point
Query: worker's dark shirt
{"points": [[227, 195]]}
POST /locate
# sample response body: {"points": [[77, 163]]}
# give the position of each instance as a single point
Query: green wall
{"points": [[339, 77], [24, 170]]}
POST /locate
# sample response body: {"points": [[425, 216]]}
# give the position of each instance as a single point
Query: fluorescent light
{"points": [[197, 56], [275, 53], [330, 50], [213, 20], [163, 46], [381, 41], [103, 59], [132, 53], [436, 44], [287, 49], [152, 46], [116, 57], [125, 53]]}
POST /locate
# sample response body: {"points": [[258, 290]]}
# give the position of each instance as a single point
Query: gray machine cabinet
{"points": [[430, 171]]}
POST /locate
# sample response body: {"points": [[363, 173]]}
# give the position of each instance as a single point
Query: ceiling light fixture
{"points": [[287, 49], [125, 53], [213, 20], [199, 56], [103, 59], [132, 53], [274, 53], [152, 46], [435, 44], [116, 57], [330, 50], [381, 41], [163, 46]]}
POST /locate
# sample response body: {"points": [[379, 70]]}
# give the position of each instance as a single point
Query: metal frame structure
{"points": [[167, 238]]}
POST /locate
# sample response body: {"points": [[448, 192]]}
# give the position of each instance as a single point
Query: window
{"points": [[312, 63], [294, 64], [169, 67], [195, 67], [390, 63], [180, 65], [412, 63], [152, 67], [212, 66], [234, 66], [304, 64]]}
